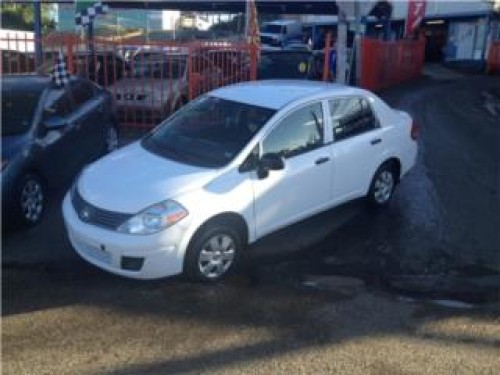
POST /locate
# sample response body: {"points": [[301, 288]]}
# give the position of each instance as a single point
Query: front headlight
{"points": [[155, 218]]}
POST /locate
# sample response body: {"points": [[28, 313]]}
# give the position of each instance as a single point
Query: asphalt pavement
{"points": [[411, 290]]}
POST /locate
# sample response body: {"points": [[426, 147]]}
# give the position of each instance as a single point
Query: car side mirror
{"points": [[269, 162], [54, 122]]}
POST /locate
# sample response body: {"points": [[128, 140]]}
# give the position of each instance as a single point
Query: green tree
{"points": [[21, 16]]}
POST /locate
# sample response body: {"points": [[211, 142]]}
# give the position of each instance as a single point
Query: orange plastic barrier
{"points": [[493, 63], [385, 64]]}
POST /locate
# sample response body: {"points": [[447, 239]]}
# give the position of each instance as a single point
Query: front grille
{"points": [[93, 215], [130, 96]]}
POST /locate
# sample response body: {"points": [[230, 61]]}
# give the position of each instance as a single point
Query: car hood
{"points": [[12, 145], [132, 178]]}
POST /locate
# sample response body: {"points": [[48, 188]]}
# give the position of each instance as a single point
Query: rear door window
{"points": [[351, 117]]}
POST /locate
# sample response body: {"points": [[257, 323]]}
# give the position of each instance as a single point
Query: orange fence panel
{"points": [[493, 63], [148, 81], [385, 64]]}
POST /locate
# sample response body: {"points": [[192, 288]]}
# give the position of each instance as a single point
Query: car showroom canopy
{"points": [[380, 8]]}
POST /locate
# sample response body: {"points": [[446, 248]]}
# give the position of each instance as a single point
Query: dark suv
{"points": [[48, 135]]}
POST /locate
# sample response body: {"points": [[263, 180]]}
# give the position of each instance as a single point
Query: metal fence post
{"points": [[37, 15], [253, 62], [326, 65]]}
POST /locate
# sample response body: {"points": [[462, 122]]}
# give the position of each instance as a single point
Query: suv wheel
{"points": [[30, 200]]}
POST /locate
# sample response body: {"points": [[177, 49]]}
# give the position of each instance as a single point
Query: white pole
{"points": [[341, 47], [247, 18]]}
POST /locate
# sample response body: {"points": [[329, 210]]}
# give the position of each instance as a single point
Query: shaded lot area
{"points": [[348, 291]]}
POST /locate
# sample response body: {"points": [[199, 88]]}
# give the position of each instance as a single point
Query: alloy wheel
{"points": [[384, 186], [216, 256], [32, 200]]}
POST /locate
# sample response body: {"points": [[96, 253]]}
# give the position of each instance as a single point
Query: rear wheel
{"points": [[382, 186], [30, 200], [213, 253]]}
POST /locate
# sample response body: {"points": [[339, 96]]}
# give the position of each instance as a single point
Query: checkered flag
{"points": [[59, 74], [89, 11]]}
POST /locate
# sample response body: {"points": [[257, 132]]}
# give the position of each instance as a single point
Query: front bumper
{"points": [[159, 255]]}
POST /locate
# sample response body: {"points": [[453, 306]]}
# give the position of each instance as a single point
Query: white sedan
{"points": [[230, 167]]}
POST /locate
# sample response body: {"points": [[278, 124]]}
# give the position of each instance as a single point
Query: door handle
{"points": [[375, 141], [321, 160]]}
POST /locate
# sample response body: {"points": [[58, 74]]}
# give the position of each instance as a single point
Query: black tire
{"points": [[30, 200], [111, 138], [216, 262], [382, 186]]}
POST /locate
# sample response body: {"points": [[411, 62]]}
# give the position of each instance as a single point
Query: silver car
{"points": [[158, 84]]}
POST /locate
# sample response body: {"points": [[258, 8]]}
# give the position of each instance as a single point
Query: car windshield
{"points": [[284, 65], [271, 29], [209, 132], [158, 66], [18, 109]]}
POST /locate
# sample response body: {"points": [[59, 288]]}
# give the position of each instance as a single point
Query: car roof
{"points": [[32, 81], [24, 81], [276, 94]]}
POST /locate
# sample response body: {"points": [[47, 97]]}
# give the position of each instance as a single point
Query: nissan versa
{"points": [[230, 167]]}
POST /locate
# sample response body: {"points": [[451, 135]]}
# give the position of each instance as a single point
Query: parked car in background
{"points": [[230, 167], [279, 33], [287, 64], [101, 67], [158, 84], [48, 135]]}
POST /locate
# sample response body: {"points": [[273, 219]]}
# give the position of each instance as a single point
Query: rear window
{"points": [[290, 65], [271, 29], [18, 109]]}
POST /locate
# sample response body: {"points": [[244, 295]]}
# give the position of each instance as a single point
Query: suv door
{"points": [[89, 117], [57, 155], [303, 186], [357, 147]]}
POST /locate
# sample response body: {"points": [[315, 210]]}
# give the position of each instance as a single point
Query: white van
{"points": [[278, 33]]}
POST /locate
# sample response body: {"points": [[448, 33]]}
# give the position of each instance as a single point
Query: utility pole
{"points": [[247, 17], [341, 46], [37, 15]]}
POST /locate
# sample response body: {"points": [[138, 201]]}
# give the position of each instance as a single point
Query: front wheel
{"points": [[213, 253], [30, 200], [382, 186]]}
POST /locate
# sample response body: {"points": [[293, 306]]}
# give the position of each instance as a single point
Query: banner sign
{"points": [[416, 14]]}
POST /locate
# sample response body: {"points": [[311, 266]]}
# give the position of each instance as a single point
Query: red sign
{"points": [[416, 14]]}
